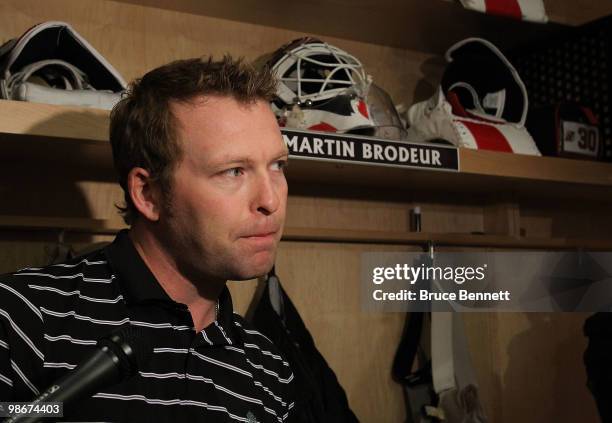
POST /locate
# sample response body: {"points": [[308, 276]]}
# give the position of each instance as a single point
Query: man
{"points": [[200, 159]]}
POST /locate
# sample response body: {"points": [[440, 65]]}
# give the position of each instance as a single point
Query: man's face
{"points": [[229, 192]]}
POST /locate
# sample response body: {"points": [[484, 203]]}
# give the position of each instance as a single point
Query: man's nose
{"points": [[267, 199]]}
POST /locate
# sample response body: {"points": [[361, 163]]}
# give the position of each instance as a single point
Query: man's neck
{"points": [[201, 299]]}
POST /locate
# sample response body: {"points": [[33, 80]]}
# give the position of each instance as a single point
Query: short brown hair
{"points": [[143, 129]]}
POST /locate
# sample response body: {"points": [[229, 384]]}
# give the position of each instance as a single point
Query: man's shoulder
{"points": [[248, 331], [94, 262], [262, 346], [27, 285]]}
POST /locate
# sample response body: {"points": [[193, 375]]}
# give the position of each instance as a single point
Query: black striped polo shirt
{"points": [[51, 317]]}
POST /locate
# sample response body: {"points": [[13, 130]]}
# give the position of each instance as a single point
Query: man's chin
{"points": [[253, 272]]}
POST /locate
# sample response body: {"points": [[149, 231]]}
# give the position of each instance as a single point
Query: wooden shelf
{"points": [[104, 227], [481, 172], [440, 239], [62, 136], [51, 121], [78, 137], [68, 224], [413, 25], [552, 169]]}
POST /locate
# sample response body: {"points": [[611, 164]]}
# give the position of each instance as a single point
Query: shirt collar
{"points": [[139, 285], [223, 331]]}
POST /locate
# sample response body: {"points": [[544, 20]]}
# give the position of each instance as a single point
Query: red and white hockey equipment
{"points": [[481, 103], [528, 10], [51, 63]]}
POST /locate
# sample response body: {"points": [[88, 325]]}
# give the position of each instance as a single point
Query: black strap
{"points": [[407, 349]]}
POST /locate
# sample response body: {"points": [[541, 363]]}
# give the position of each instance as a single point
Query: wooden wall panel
{"points": [[482, 335], [451, 218], [502, 217], [16, 255], [529, 366], [542, 353], [55, 192], [315, 212], [343, 207], [565, 219]]}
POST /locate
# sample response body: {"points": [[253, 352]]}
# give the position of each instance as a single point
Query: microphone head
{"points": [[131, 347]]}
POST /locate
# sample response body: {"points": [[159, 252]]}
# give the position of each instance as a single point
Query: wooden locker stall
{"points": [[57, 186]]}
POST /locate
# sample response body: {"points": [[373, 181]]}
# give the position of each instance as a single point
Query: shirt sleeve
{"points": [[6, 376], [289, 395], [21, 342]]}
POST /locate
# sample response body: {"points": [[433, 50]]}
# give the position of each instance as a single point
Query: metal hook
{"points": [[430, 249], [60, 236]]}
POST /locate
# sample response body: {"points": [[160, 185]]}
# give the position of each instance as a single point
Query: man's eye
{"points": [[280, 165], [235, 171]]}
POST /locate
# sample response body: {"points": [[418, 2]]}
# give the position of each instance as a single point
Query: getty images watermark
{"points": [[514, 281]]}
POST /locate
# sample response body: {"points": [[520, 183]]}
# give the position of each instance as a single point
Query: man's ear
{"points": [[145, 193]]}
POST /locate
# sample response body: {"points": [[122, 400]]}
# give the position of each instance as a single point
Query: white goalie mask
{"points": [[320, 87]]}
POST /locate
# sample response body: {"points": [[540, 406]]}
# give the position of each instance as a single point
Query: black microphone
{"points": [[116, 358]]}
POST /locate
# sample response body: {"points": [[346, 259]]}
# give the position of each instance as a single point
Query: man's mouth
{"points": [[261, 236], [261, 240]]}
